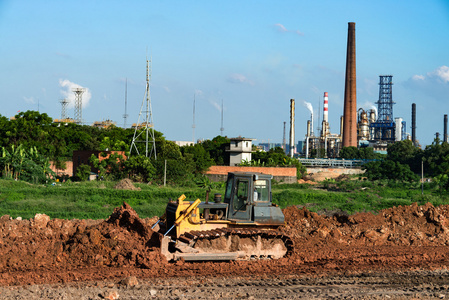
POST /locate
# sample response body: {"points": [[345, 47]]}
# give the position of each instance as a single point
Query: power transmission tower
{"points": [[78, 105], [145, 131]]}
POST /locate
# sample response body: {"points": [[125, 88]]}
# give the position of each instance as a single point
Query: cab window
{"points": [[261, 191], [241, 196], [228, 189]]}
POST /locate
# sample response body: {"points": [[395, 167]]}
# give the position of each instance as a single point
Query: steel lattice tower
{"points": [[145, 131], [64, 103], [385, 103], [78, 105], [384, 127]]}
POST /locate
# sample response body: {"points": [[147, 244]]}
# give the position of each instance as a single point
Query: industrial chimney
{"points": [[445, 129], [307, 138], [414, 124], [350, 104], [292, 127], [325, 107], [325, 125]]}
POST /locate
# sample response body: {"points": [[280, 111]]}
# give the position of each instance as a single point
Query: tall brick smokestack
{"points": [[350, 105], [292, 127]]}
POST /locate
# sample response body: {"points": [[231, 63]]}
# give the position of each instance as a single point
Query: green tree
{"points": [[139, 168], [367, 153], [276, 157], [350, 152], [200, 157], [442, 182], [436, 158], [388, 169], [404, 152], [83, 172], [171, 162], [217, 149]]}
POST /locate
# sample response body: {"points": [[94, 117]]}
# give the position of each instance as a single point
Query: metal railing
{"points": [[332, 163]]}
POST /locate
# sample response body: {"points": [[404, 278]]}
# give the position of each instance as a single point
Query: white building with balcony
{"points": [[239, 150]]}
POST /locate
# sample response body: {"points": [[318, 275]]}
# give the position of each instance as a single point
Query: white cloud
{"points": [[433, 86], [239, 78], [442, 73], [215, 104], [67, 92], [418, 77], [281, 28], [199, 92], [29, 100]]}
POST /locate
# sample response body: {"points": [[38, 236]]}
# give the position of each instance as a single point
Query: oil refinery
{"points": [[360, 127]]}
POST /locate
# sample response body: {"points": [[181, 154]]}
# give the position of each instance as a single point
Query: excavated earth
{"points": [[398, 253]]}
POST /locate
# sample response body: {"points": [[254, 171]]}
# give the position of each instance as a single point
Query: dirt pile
{"points": [[122, 240], [41, 243], [401, 226], [42, 250], [326, 174], [126, 184]]}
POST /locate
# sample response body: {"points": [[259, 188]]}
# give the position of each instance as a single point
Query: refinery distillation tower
{"points": [[144, 132]]}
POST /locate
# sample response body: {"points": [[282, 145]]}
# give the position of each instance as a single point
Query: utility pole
{"points": [[125, 116], [284, 141]]}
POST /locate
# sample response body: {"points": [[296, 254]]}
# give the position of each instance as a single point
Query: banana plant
{"points": [[6, 163]]}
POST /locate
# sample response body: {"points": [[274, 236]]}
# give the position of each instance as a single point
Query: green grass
{"points": [[96, 200], [356, 196]]}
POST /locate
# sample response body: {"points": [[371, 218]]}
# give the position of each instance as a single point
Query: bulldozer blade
{"points": [[165, 241]]}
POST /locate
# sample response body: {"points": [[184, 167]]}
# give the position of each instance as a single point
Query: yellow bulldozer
{"points": [[243, 225]]}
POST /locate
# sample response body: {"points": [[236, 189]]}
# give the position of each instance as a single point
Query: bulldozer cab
{"points": [[243, 192]]}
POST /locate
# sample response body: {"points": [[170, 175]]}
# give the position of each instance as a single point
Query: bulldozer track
{"points": [[193, 237]]}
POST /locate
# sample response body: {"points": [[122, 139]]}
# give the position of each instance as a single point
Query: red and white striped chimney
{"points": [[325, 112]]}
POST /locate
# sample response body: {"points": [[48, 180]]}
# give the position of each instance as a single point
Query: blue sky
{"points": [[252, 55]]}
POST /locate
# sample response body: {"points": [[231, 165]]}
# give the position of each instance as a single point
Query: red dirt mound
{"points": [[122, 240], [41, 250], [403, 225]]}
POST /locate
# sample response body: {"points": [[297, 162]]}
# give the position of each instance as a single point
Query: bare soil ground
{"points": [[399, 253]]}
